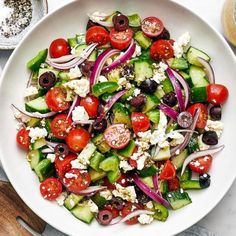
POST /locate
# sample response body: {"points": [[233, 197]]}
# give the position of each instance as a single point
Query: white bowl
{"points": [[68, 21]]}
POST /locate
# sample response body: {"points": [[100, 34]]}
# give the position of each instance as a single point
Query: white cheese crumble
{"points": [[75, 164], [30, 91], [71, 175], [93, 207], [51, 157], [97, 16], [137, 92], [80, 87], [81, 39], [202, 146], [126, 193], [159, 72], [61, 199], [145, 219], [216, 126], [80, 114], [125, 166], [149, 205], [177, 138], [74, 73], [106, 194], [141, 160], [37, 133], [138, 51], [102, 78], [180, 44], [22, 117]]}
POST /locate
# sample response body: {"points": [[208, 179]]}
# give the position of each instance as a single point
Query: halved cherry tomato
{"points": [[58, 48], [115, 212], [121, 39], [128, 208], [117, 136], [51, 188], [79, 180], [90, 104], [109, 185], [56, 99], [140, 122], [97, 34], [61, 125], [152, 26], [77, 139], [173, 184], [201, 164], [133, 163], [23, 138], [203, 116], [168, 172], [123, 181], [63, 165], [217, 94], [161, 49]]}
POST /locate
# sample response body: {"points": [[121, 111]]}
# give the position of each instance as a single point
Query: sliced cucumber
{"points": [[134, 20], [87, 152], [187, 175], [149, 171], [121, 114], [179, 64], [167, 86], [95, 160], [72, 42], [178, 160], [37, 105], [114, 75], [83, 213], [128, 150], [113, 176], [102, 146], [198, 76], [44, 169], [43, 70], [96, 175], [99, 200], [72, 200], [163, 186], [154, 116], [142, 40], [161, 212], [151, 102], [163, 154], [33, 122], [80, 48], [198, 94], [148, 181], [190, 184], [110, 164], [35, 156], [39, 143], [143, 70]]}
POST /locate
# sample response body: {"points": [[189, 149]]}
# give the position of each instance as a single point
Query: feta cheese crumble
{"points": [[22, 117], [93, 207], [102, 78], [79, 114], [30, 91], [159, 72], [126, 193], [137, 92], [71, 175], [180, 44], [80, 87], [51, 157], [74, 73], [149, 205], [138, 51], [177, 138], [37, 133], [97, 16], [106, 194], [216, 126], [61, 199], [75, 164], [125, 166], [145, 219]]}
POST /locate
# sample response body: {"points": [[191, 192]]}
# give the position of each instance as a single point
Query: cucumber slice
{"points": [[113, 176], [190, 184], [110, 164], [114, 75], [167, 86], [72, 200], [134, 20], [44, 169], [102, 146], [129, 93], [151, 102], [80, 48], [43, 70], [72, 42], [39, 143], [163, 154], [33, 122], [95, 160], [154, 116], [96, 175], [178, 160], [179, 64], [143, 70], [63, 75], [198, 94], [128, 150], [87, 152], [148, 181], [99, 200], [121, 114], [161, 212], [163, 186], [35, 156], [104, 87], [34, 64], [37, 105], [159, 93], [83, 213], [198, 76], [187, 175], [150, 171], [142, 40]]}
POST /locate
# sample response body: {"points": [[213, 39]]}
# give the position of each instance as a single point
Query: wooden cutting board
{"points": [[11, 207]]}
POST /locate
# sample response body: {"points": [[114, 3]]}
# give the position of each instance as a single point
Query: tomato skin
{"points": [[60, 126], [23, 138], [203, 166], [152, 26], [56, 99], [121, 39], [64, 165], [123, 181], [58, 48], [97, 34], [168, 172], [173, 184], [109, 185], [128, 208], [203, 116], [90, 104], [115, 212], [133, 163], [77, 139], [140, 122], [76, 184], [51, 188], [217, 94], [161, 49]]}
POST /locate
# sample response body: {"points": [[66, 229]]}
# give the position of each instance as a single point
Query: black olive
{"points": [[99, 127], [117, 203], [47, 80], [104, 217], [216, 112], [149, 86], [185, 119], [138, 101], [128, 71], [204, 180], [121, 22], [91, 24], [170, 99], [61, 150], [142, 198], [86, 68], [210, 138], [164, 35]]}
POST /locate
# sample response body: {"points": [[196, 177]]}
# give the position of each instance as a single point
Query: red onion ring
{"points": [[173, 114], [208, 69]]}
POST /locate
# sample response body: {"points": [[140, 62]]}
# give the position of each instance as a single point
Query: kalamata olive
{"points": [[142, 198], [121, 22], [164, 35], [99, 127], [61, 150], [138, 101], [47, 80], [91, 24], [210, 138], [104, 217], [170, 99], [204, 180], [149, 86], [86, 68], [216, 112], [185, 119], [127, 71], [117, 203]]}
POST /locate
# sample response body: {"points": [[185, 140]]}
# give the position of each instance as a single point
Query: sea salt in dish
{"points": [[139, 150]]}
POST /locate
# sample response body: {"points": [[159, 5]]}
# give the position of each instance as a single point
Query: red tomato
{"points": [[168, 172], [133, 163], [161, 49], [121, 39], [77, 139], [201, 164], [128, 208], [109, 185], [58, 48], [79, 180], [64, 165], [217, 94], [117, 136], [123, 181], [152, 26], [140, 122], [173, 184], [90, 104], [97, 34], [60, 126], [56, 99], [23, 139], [115, 212], [203, 116], [51, 188]]}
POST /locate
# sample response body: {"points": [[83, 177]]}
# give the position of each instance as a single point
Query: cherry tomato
{"points": [[128, 208], [161, 49], [60, 126], [133, 163], [58, 48], [77, 139], [121, 39], [173, 184], [201, 164], [117, 136], [90, 104], [23, 139], [203, 116], [109, 185], [97, 34], [51, 188], [152, 26], [56, 99], [123, 181], [115, 212], [64, 165], [140, 122], [168, 172], [79, 180], [217, 94]]}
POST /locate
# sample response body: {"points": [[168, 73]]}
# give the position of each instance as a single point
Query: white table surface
{"points": [[222, 219]]}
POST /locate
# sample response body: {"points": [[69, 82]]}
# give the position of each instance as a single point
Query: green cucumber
{"points": [[198, 76], [190, 184], [163, 186], [95, 160], [154, 116], [114, 75], [72, 200], [178, 160], [121, 114], [33, 122], [159, 93], [142, 70], [110, 164], [87, 152], [80, 48], [72, 42], [134, 20], [128, 150], [83, 213], [104, 87], [39, 143], [198, 94], [113, 176], [179, 64], [163, 154], [44, 169], [64, 75], [161, 212], [149, 171], [151, 102], [129, 93], [35, 156], [102, 146], [44, 70], [187, 175], [148, 181], [37, 105], [96, 175], [167, 85], [99, 200], [34, 64], [193, 145], [144, 41]]}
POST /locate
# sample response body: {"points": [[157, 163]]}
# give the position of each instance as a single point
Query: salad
{"points": [[118, 118]]}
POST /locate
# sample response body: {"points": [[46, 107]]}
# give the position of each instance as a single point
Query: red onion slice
{"points": [[75, 103], [208, 69], [200, 154], [52, 144], [47, 150], [155, 184], [173, 114], [84, 122], [63, 59], [90, 190]]}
